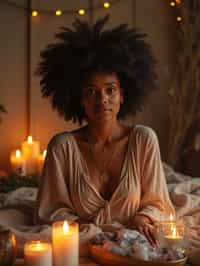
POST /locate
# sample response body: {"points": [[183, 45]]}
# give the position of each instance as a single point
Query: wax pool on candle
{"points": [[17, 162], [31, 151], [65, 244], [38, 253]]}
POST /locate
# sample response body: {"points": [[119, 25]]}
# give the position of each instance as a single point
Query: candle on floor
{"points": [[37, 253], [40, 161], [17, 162], [30, 152], [65, 244]]}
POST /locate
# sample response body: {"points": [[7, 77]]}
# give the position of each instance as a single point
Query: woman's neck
{"points": [[104, 133]]}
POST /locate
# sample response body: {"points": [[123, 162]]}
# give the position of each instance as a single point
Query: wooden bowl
{"points": [[105, 257]]}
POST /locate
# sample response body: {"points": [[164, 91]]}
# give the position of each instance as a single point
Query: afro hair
{"points": [[86, 48]]}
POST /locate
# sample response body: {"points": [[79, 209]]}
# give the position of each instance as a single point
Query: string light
{"points": [[179, 19], [66, 11], [81, 12], [173, 4], [34, 13], [106, 4], [58, 12]]}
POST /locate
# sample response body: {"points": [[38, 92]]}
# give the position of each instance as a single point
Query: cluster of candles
{"points": [[64, 249], [28, 160]]}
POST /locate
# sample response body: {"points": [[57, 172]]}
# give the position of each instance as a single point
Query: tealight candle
{"points": [[17, 162], [172, 232], [174, 238], [37, 253], [40, 161], [65, 244], [30, 152]]}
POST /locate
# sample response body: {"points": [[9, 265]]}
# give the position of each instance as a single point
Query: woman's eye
{"points": [[91, 92], [111, 90]]}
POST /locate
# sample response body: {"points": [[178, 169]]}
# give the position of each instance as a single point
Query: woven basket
{"points": [[105, 257]]}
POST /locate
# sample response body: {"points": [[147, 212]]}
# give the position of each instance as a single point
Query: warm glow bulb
{"points": [[34, 13], [179, 19], [30, 139], [58, 12], [81, 12], [65, 227], [106, 4], [178, 1], [44, 153], [172, 4], [18, 153]]}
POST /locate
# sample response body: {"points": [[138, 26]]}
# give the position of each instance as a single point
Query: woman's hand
{"points": [[143, 224]]}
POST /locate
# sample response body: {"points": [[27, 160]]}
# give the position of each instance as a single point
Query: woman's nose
{"points": [[103, 97]]}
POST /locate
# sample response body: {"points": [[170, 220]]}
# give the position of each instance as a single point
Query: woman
{"points": [[105, 172]]}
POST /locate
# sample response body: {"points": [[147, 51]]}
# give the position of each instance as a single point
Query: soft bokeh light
{"points": [[81, 12], [34, 13]]}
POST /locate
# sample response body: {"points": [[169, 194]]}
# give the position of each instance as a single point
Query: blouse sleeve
{"points": [[53, 202], [155, 202]]}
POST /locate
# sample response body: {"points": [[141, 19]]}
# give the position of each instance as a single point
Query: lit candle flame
{"points": [[30, 139], [44, 153], [171, 217], [65, 227], [18, 153], [38, 245]]}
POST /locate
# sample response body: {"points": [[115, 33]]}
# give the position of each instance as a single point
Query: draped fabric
{"points": [[66, 191]]}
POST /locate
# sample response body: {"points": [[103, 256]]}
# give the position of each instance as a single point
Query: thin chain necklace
{"points": [[106, 164]]}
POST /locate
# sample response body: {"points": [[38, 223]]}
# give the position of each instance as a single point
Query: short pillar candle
{"points": [[65, 244], [30, 152], [37, 253], [17, 162]]}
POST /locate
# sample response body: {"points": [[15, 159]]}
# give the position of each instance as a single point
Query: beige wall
{"points": [[154, 17]]}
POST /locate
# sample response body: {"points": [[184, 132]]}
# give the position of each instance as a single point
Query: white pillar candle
{"points": [[40, 162], [17, 162], [37, 253], [30, 152], [65, 244]]}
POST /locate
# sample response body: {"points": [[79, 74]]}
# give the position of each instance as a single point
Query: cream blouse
{"points": [[67, 193]]}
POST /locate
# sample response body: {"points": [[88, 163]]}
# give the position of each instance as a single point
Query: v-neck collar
{"points": [[86, 174]]}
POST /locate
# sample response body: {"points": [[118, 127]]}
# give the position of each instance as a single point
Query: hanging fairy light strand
{"points": [[58, 12], [174, 4]]}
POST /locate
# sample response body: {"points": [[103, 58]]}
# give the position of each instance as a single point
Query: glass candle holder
{"points": [[172, 234]]}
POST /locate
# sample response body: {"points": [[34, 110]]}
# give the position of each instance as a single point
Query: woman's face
{"points": [[101, 96]]}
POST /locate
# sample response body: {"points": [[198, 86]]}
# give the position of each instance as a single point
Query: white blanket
{"points": [[184, 192]]}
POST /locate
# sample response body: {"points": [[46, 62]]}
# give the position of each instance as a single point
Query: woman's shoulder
{"points": [[144, 132], [60, 139]]}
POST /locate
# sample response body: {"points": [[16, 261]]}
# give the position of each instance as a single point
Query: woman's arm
{"points": [[155, 203], [53, 201]]}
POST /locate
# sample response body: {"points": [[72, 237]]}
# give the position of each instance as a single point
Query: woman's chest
{"points": [[105, 168]]}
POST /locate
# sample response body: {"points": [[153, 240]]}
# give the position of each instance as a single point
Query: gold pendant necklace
{"points": [[106, 164]]}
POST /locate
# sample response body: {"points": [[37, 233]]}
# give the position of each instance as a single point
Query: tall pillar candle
{"points": [[65, 244], [37, 253], [30, 152]]}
